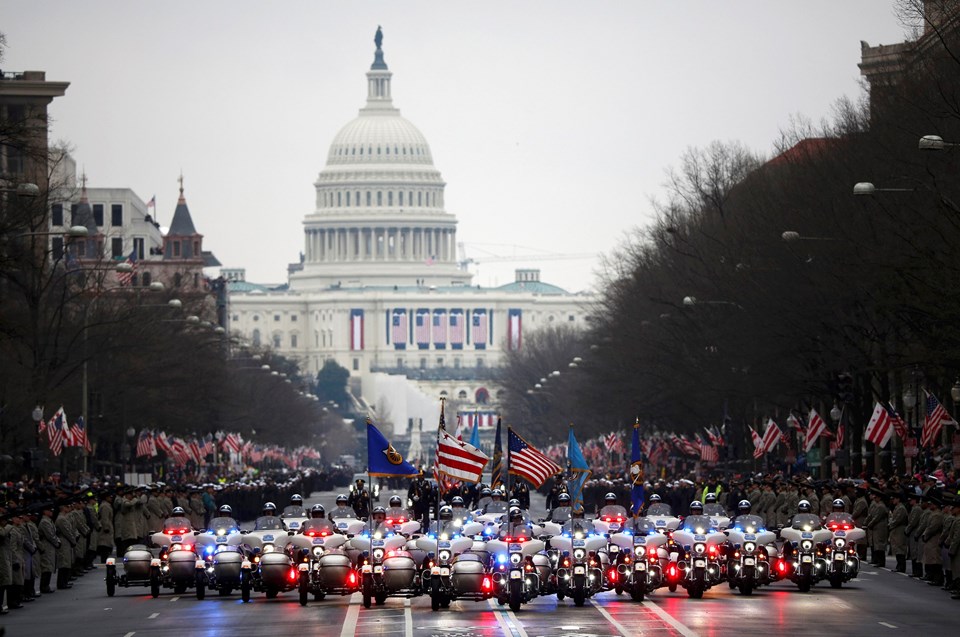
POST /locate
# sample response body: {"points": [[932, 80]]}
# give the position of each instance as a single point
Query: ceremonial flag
{"points": [[898, 423], [527, 462], [440, 329], [457, 329], [937, 416], [356, 330], [771, 436], [382, 459], [496, 474], [579, 469], [398, 330], [421, 331], [459, 460], [124, 278], [55, 431], [815, 427], [708, 453], [475, 434], [841, 433], [637, 495], [145, 445], [79, 435], [480, 329], [757, 443], [153, 202], [514, 329], [880, 428]]}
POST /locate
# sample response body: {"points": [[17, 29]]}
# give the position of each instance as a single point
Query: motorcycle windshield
{"points": [[267, 523], [697, 524], [806, 522], [223, 526], [659, 509], [748, 523]]}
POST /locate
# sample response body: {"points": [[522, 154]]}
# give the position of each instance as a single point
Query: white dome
{"points": [[379, 138]]}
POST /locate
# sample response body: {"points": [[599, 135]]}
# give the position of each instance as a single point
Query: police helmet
{"points": [[564, 498], [178, 512], [342, 499], [803, 506], [269, 508], [744, 507], [496, 493], [516, 514], [317, 511], [395, 501], [446, 513], [839, 504], [711, 498], [296, 499], [379, 511], [696, 507], [654, 499], [457, 501], [610, 497], [513, 502], [226, 511], [485, 492]]}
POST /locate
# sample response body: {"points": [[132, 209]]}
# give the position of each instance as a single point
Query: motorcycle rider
{"points": [[223, 520], [318, 521], [485, 497], [342, 510], [697, 522], [421, 494], [515, 526], [804, 517], [378, 522], [577, 523], [745, 519], [562, 512], [839, 515], [178, 520], [460, 511], [360, 500], [658, 507], [712, 507], [496, 504], [295, 508], [445, 523], [268, 520], [396, 511], [611, 508]]}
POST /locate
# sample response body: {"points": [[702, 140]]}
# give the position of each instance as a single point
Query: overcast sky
{"points": [[551, 122]]}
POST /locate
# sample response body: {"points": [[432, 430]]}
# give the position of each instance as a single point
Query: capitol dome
{"points": [[379, 217]]}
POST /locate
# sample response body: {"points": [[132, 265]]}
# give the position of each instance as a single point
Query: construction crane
{"points": [[464, 261]]}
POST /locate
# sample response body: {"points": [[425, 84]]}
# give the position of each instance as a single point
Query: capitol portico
{"points": [[379, 289]]}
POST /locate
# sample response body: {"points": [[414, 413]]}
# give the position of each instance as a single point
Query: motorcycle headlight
{"points": [[840, 542], [269, 548], [221, 531], [444, 555], [515, 558], [579, 554], [175, 547], [614, 548], [806, 545], [749, 547], [318, 551], [378, 554], [699, 548]]}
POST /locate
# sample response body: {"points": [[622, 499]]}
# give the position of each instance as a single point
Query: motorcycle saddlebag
{"points": [[467, 573], [334, 570], [227, 565], [136, 562], [275, 569], [183, 565], [398, 572]]}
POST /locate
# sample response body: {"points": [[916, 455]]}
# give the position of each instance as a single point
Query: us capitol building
{"points": [[379, 290]]}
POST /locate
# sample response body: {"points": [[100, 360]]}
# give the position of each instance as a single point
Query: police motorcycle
{"points": [[642, 552], [178, 566], [579, 572], [700, 552], [493, 512], [294, 515], [661, 516], [386, 568], [324, 566], [516, 579], [748, 563], [611, 519], [269, 568], [715, 511], [453, 573], [843, 563], [223, 558], [801, 540]]}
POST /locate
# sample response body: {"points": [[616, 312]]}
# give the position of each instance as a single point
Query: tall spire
{"points": [[83, 187], [378, 80], [182, 199]]}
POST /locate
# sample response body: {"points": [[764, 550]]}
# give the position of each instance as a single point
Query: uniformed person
{"points": [[106, 534], [933, 570], [49, 544], [914, 515], [897, 526], [877, 522], [860, 508], [67, 535], [6, 557]]}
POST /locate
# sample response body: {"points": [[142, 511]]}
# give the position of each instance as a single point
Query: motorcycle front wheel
{"points": [[366, 589], [304, 588], [201, 587], [245, 588], [155, 583], [435, 594], [516, 594], [111, 582]]}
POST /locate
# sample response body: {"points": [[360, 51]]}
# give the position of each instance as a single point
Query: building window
{"points": [[379, 198], [98, 214], [196, 279], [81, 249], [276, 341], [440, 362], [423, 363], [419, 198], [116, 214], [456, 363], [134, 281], [390, 198], [356, 361], [73, 214], [276, 318], [256, 317], [348, 199], [480, 363], [462, 394], [235, 318], [176, 248], [339, 198], [256, 338], [146, 280], [138, 247], [400, 363], [177, 280], [116, 247], [482, 396], [293, 340], [571, 318], [196, 248], [400, 198], [57, 246], [369, 194], [56, 215]]}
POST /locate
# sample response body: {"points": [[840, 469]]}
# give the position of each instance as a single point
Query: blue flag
{"points": [[475, 434], [637, 495], [382, 459], [579, 469]]}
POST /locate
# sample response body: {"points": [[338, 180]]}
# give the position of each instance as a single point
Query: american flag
{"points": [[398, 329], [525, 461], [459, 460], [841, 434], [880, 427], [685, 446], [208, 447], [479, 332], [714, 436], [439, 328], [55, 431], [78, 436], [771, 436], [443, 484], [815, 427], [613, 443], [162, 443], [124, 278], [232, 442], [195, 451], [898, 423], [708, 453], [757, 443], [145, 445], [937, 416], [457, 330], [421, 330]]}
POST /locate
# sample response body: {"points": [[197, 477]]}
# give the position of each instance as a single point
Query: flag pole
{"points": [[507, 478]]}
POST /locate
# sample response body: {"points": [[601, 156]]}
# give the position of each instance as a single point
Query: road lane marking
{"points": [[603, 611], [173, 599], [407, 618], [518, 626], [508, 621], [684, 630], [154, 616], [131, 633], [870, 572], [886, 624], [350, 621]]}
